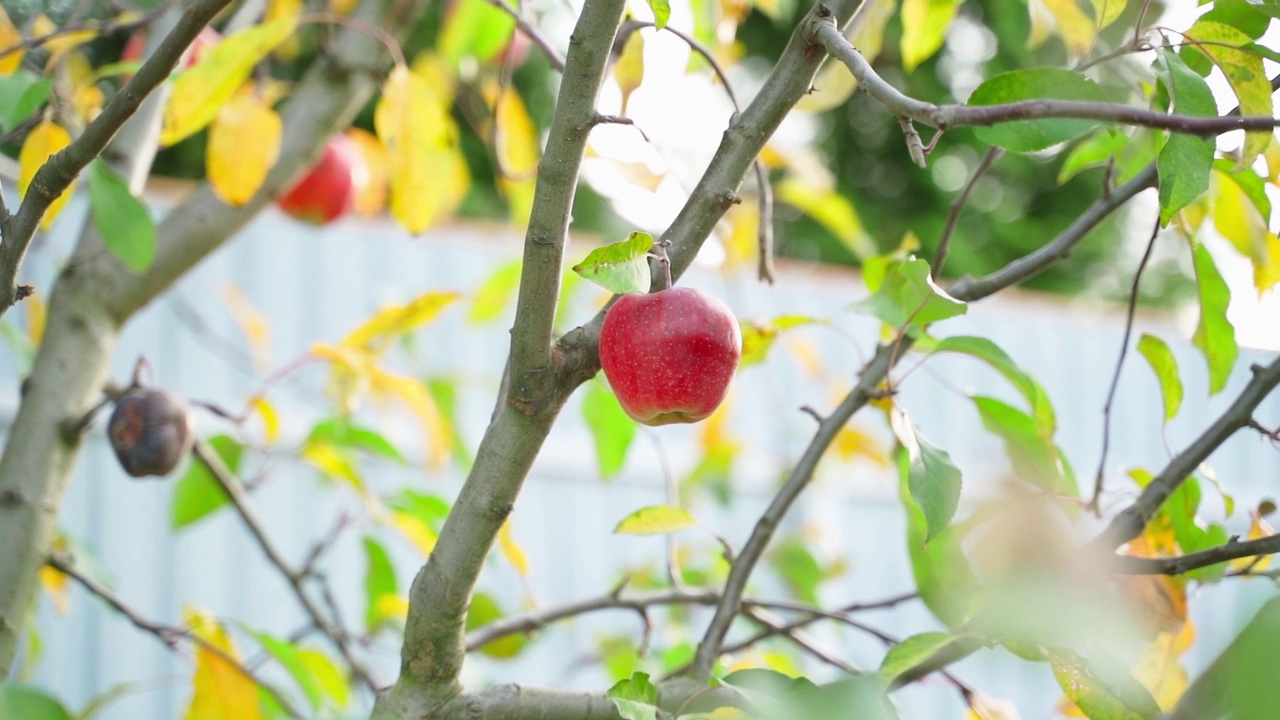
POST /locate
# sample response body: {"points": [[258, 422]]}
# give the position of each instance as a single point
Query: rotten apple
{"points": [[150, 431], [670, 355], [328, 190]]}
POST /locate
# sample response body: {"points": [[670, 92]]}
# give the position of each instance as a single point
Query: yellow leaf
{"points": [[831, 210], [1041, 24], [10, 36], [516, 142], [331, 462], [220, 690], [415, 531], [244, 143], [1267, 272], [285, 9], [807, 356], [655, 520], [37, 313], [419, 137], [1237, 219], [628, 71], [1107, 11], [371, 196], [252, 323], [1273, 160], [982, 707], [86, 97], [391, 606], [924, 26], [1160, 671], [438, 75], [43, 141], [742, 242], [61, 44], [1258, 528], [270, 419], [1076, 28], [393, 322], [1222, 44], [714, 437], [200, 93], [55, 584], [511, 552], [851, 443]]}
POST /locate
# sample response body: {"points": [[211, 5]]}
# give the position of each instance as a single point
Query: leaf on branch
{"points": [[328, 676], [63, 43], [197, 493], [1044, 83], [379, 583], [516, 142], [629, 70], [244, 142], [1223, 45], [125, 223], [611, 428], [1165, 366], [290, 658], [1033, 454], [635, 697], [27, 702], [1266, 274], [1241, 209], [1258, 529], [427, 180], [924, 26], [987, 351], [758, 338], [475, 28], [9, 37], [831, 210], [511, 550], [393, 322], [929, 647], [943, 576], [220, 690], [1240, 683], [200, 93], [661, 12], [1102, 691], [1215, 335], [932, 479], [1185, 161], [21, 94], [621, 267], [483, 610], [908, 295], [655, 520], [42, 142]]}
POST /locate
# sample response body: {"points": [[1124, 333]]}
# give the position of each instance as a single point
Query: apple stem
{"points": [[660, 254]]}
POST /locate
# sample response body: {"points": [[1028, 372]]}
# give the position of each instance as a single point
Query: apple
{"points": [[670, 355], [203, 43], [150, 431], [328, 190]]}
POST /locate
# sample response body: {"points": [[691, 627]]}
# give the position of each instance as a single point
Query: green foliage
{"points": [[610, 427], [1037, 84], [1185, 160], [943, 577], [622, 267], [1215, 336], [485, 609], [636, 698], [1103, 693], [23, 702], [379, 583], [21, 94], [934, 482], [655, 520], [197, 493], [1165, 366], [123, 220], [908, 295], [1241, 681]]}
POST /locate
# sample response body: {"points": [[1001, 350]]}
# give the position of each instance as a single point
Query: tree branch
{"points": [[952, 115], [1130, 565], [1133, 520], [434, 645], [167, 634], [61, 169]]}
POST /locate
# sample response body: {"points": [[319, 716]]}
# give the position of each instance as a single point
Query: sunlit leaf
{"points": [[851, 442], [125, 224], [932, 479], [1215, 336], [379, 583], [1244, 71], [9, 37], [1241, 209], [197, 493], [516, 142], [511, 550], [628, 71], [621, 267], [1034, 456], [42, 142], [418, 133], [943, 577], [924, 26], [636, 697], [200, 93], [611, 428], [220, 689], [474, 28], [290, 658], [1165, 366], [483, 610], [655, 520], [661, 12], [1266, 274], [1258, 529], [928, 647], [1076, 28], [56, 585], [758, 337], [327, 675], [908, 295], [830, 209], [371, 195], [244, 142], [391, 323], [27, 702], [495, 296], [1044, 83], [415, 530]]}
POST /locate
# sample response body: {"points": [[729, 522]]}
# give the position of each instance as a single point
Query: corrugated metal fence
{"points": [[316, 284]]}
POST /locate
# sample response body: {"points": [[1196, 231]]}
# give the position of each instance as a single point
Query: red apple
{"points": [[670, 355], [203, 43], [328, 190]]}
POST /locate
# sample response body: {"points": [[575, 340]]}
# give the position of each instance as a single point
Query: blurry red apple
{"points": [[328, 190], [670, 355], [203, 43]]}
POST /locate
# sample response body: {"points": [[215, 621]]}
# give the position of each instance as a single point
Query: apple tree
{"points": [[426, 112]]}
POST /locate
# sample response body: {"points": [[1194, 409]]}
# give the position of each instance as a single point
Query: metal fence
{"points": [[316, 284]]}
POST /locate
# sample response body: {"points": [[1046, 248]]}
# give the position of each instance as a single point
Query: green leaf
{"points": [[21, 94], [1165, 366], [197, 493], [859, 697], [483, 610], [430, 509], [924, 648], [1033, 455], [1036, 84], [340, 432], [379, 581], [1223, 44], [331, 680], [1240, 683], [291, 660], [1241, 15], [924, 27], [635, 697], [1215, 336], [908, 294], [1184, 162], [622, 267], [933, 480], [767, 690], [944, 579], [1102, 695], [1096, 151], [444, 391], [987, 351], [495, 295], [1242, 210], [25, 702], [799, 569], [610, 427], [123, 220], [758, 338], [655, 520], [661, 12]]}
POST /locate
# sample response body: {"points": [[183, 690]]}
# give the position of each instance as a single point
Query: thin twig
{"points": [[167, 634], [957, 206], [1131, 565], [523, 25], [800, 640], [98, 28], [1115, 377]]}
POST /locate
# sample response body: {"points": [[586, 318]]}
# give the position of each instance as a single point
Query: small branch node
{"points": [[808, 410]]}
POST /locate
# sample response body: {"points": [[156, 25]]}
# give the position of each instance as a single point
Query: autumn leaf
{"points": [[391, 323], [516, 142], [244, 143], [9, 37], [419, 135], [220, 690], [629, 70], [371, 196], [511, 551], [42, 142]]}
